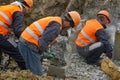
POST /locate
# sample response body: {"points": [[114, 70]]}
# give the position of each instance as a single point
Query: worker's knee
{"points": [[98, 45]]}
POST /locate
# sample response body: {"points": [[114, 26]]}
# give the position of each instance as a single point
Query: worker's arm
{"points": [[18, 18], [50, 33], [102, 37]]}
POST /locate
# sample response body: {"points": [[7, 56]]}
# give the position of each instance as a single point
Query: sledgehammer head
{"points": [[112, 70]]}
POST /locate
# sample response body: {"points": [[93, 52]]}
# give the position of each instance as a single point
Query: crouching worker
{"points": [[92, 40], [36, 38]]}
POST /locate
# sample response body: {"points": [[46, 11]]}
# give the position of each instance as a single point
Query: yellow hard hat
{"points": [[105, 13], [74, 18], [28, 3]]}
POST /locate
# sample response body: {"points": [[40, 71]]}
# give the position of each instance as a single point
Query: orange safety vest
{"points": [[87, 34], [35, 30], [6, 13]]}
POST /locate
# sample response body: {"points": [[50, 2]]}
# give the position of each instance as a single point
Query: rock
{"points": [[56, 71], [110, 69]]}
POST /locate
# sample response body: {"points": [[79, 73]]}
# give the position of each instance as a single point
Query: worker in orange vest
{"points": [[11, 17], [92, 40], [36, 38]]}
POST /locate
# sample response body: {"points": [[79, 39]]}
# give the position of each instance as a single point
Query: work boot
{"points": [[97, 62], [22, 65]]}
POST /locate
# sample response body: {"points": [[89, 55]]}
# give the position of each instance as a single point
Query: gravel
{"points": [[76, 67]]}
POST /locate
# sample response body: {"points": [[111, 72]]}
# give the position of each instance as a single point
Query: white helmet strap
{"points": [[26, 8], [19, 4]]}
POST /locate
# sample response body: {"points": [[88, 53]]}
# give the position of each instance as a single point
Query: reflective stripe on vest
{"points": [[6, 17], [32, 33], [38, 27], [82, 42], [3, 24], [87, 37]]}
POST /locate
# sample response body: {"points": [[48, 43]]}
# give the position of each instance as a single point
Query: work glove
{"points": [[109, 55], [49, 55]]}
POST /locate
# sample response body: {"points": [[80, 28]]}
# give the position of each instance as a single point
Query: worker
{"points": [[11, 17], [92, 40], [36, 38]]}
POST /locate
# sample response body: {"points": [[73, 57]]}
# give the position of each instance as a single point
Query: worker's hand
{"points": [[109, 55]]}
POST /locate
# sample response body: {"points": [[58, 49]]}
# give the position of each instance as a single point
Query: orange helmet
{"points": [[105, 13], [74, 18], [28, 3]]}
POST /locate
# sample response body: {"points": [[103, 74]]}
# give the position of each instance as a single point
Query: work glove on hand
{"points": [[109, 55]]}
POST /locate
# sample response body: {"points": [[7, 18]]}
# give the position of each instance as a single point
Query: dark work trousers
{"points": [[8, 48], [91, 52]]}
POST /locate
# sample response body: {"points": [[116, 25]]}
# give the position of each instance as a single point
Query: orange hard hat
{"points": [[73, 17], [28, 3], [105, 13]]}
